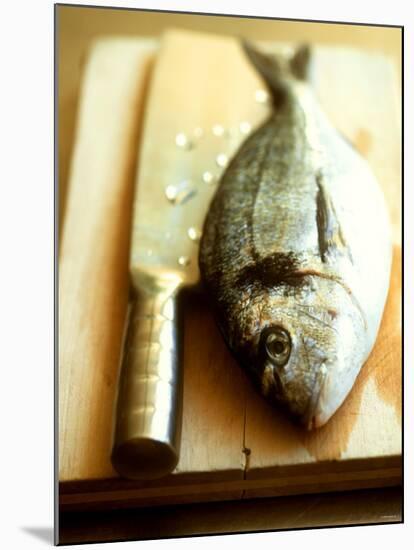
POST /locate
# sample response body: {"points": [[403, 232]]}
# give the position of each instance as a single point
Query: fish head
{"points": [[305, 349]]}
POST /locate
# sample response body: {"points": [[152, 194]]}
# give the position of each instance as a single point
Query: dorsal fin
{"points": [[330, 237]]}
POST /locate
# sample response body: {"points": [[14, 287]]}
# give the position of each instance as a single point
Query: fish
{"points": [[296, 252]]}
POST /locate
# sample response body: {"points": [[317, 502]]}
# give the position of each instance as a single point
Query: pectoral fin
{"points": [[330, 237]]}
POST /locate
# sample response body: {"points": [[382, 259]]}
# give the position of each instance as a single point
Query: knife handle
{"points": [[149, 408]]}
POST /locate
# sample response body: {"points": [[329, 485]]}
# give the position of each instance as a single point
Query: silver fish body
{"points": [[296, 252]]}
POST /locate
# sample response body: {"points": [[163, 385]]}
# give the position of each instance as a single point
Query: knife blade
{"points": [[203, 99]]}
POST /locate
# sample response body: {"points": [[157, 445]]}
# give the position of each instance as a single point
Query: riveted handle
{"points": [[149, 408]]}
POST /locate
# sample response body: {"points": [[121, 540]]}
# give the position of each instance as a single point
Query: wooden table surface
{"points": [[85, 468], [234, 444], [363, 507]]}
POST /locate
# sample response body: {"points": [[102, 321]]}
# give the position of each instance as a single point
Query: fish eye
{"points": [[277, 345]]}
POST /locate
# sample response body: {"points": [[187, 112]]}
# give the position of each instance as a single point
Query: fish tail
{"points": [[276, 70]]}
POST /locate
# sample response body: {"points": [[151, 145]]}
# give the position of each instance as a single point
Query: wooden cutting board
{"points": [[233, 444]]}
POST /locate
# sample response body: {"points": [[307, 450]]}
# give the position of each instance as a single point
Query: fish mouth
{"points": [[309, 418]]}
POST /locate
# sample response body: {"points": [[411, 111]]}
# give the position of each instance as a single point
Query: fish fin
{"points": [[276, 69], [330, 237], [268, 66], [299, 63]]}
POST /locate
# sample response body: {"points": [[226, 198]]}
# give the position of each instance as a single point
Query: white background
{"points": [[26, 255]]}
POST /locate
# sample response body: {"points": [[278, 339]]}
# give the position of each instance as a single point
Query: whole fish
{"points": [[296, 250]]}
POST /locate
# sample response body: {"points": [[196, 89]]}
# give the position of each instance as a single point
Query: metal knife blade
{"points": [[204, 98]]}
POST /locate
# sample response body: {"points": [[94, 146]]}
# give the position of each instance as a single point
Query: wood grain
{"points": [[233, 444], [332, 509], [93, 276]]}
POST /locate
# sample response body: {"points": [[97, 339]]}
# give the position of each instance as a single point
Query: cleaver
{"points": [[203, 100]]}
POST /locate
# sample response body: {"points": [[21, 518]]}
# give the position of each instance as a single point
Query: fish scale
{"points": [[287, 254]]}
